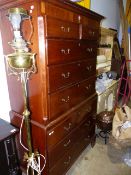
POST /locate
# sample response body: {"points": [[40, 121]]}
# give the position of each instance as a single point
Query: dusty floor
{"points": [[101, 160]]}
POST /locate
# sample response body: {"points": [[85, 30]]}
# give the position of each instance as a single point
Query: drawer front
{"points": [[63, 51], [62, 75], [58, 132], [70, 97], [61, 29], [90, 33], [59, 13]]}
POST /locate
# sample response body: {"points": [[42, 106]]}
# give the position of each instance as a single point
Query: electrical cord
{"points": [[33, 161]]}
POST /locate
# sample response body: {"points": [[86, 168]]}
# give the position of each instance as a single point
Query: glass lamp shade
{"points": [[16, 15]]}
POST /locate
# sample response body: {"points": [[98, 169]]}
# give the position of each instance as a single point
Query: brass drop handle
{"points": [[89, 49], [87, 138], [65, 29], [88, 68], [66, 75], [88, 109], [66, 144], [68, 127], [67, 162], [88, 87], [65, 51], [66, 100], [68, 29], [91, 32]]}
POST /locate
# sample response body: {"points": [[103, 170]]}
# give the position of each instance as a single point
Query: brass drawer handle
{"points": [[66, 75], [89, 49], [66, 100], [66, 52], [68, 127], [64, 29], [91, 32], [68, 29], [87, 138], [88, 68], [88, 87], [67, 162], [66, 144]]}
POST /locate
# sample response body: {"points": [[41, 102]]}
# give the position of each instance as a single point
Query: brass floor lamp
{"points": [[22, 64]]}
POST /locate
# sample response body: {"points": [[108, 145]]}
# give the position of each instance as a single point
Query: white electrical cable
{"points": [[32, 162], [44, 163], [20, 136]]}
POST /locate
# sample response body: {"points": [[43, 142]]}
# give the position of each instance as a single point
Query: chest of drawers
{"points": [[62, 95]]}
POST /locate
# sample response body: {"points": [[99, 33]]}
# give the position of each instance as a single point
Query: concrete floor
{"points": [[101, 160]]}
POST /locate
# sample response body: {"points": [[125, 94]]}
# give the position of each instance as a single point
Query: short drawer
{"points": [[58, 132], [63, 100], [61, 29], [63, 51]]}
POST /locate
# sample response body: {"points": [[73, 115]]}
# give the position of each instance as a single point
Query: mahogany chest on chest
{"points": [[62, 97]]}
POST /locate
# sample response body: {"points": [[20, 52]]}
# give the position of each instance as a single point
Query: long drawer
{"points": [[59, 131], [63, 100], [57, 28], [63, 51], [67, 74]]}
